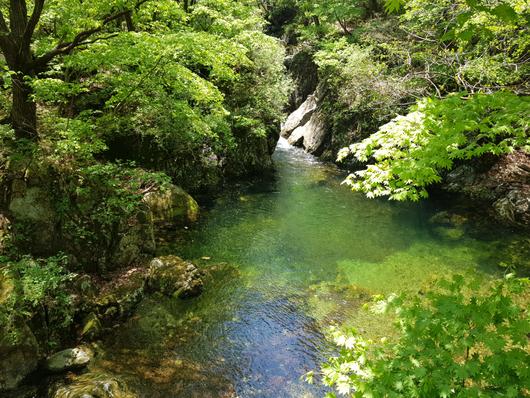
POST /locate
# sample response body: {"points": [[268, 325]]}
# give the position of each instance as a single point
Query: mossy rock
{"points": [[119, 298], [92, 327], [448, 219], [19, 355], [173, 276], [448, 233], [172, 206], [34, 220]]}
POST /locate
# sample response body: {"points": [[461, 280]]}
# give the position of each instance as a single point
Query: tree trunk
{"points": [[24, 109]]}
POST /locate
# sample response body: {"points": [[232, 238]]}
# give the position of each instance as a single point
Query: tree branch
{"points": [[79, 39], [33, 21]]}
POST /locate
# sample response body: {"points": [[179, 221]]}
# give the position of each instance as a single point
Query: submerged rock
{"points": [[69, 359], [173, 276], [93, 386], [448, 219], [173, 205]]}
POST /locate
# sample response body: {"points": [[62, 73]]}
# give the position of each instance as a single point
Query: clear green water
{"points": [[287, 256]]}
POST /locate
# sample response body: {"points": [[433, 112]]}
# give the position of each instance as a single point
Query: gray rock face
{"points": [[306, 127], [69, 359], [173, 276], [311, 136], [299, 117], [504, 186]]}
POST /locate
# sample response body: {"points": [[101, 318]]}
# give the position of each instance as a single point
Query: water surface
{"points": [[286, 257]]}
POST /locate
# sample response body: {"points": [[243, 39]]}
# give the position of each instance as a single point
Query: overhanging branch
{"points": [[80, 39]]}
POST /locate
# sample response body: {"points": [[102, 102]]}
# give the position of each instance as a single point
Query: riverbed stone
{"points": [[69, 359], [93, 385], [173, 276], [172, 206]]}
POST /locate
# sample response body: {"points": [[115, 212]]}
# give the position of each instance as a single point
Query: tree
{"points": [[17, 38]]}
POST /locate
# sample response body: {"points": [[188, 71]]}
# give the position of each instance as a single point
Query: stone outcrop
{"points": [[119, 297], [306, 127], [502, 184], [300, 116], [304, 73], [173, 276]]}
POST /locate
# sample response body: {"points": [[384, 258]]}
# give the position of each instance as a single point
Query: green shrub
{"points": [[409, 153], [459, 340], [36, 293]]}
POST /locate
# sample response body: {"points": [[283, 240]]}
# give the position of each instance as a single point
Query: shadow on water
{"points": [[287, 256]]}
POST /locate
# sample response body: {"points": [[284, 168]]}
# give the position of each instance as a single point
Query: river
{"points": [[287, 257]]}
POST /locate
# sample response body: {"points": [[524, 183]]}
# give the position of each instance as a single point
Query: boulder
{"points": [[32, 207], [92, 385], [19, 355], [316, 134], [119, 297], [173, 276], [311, 136], [172, 206], [299, 117], [69, 359], [446, 218], [514, 207]]}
